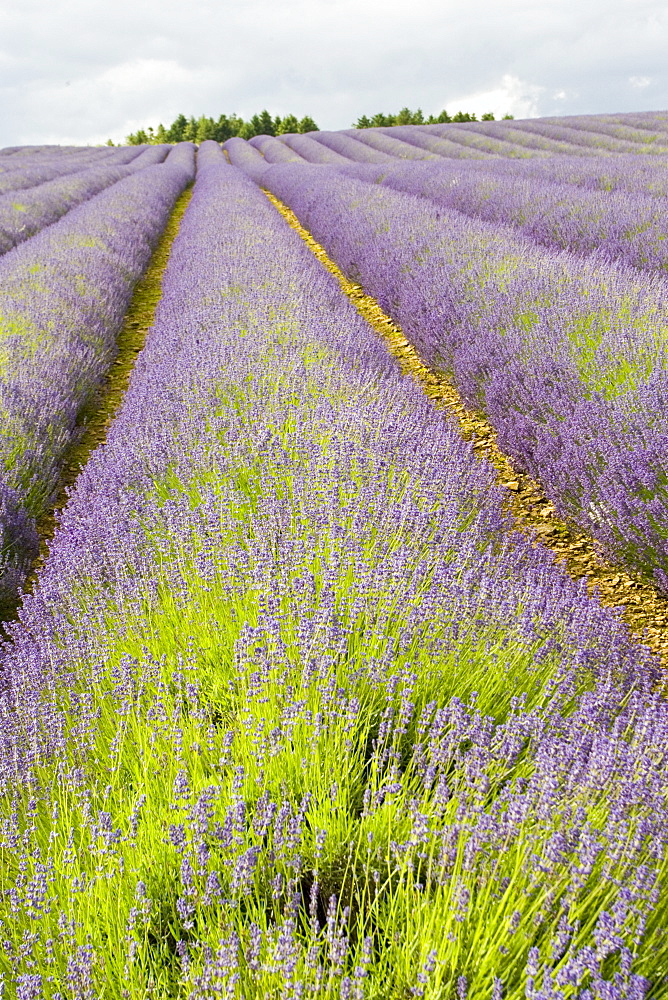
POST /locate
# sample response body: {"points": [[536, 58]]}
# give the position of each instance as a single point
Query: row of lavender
{"points": [[626, 226], [28, 167], [602, 136], [292, 712], [63, 295], [26, 213], [567, 356], [537, 198]]}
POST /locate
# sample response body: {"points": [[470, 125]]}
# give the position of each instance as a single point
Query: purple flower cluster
{"points": [[63, 296], [564, 354], [291, 711]]}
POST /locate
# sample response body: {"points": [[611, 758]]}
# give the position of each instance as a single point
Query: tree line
{"points": [[408, 117], [193, 129]]}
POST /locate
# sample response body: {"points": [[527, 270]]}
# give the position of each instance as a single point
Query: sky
{"points": [[84, 71]]}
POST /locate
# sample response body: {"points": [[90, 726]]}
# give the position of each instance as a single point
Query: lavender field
{"points": [[289, 706]]}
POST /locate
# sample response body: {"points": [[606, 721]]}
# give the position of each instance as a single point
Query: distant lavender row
{"points": [[626, 172], [22, 215], [385, 141], [590, 133], [272, 150], [568, 357], [625, 226], [601, 136], [26, 172], [63, 295], [457, 145], [316, 727]]}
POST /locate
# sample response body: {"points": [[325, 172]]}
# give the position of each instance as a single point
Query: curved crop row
{"points": [[320, 727], [629, 172], [22, 215], [567, 357], [20, 172], [63, 296], [394, 145], [309, 149], [629, 227], [275, 151], [584, 134], [351, 148]]}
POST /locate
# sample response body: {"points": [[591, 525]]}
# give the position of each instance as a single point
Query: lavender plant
{"points": [[387, 142], [310, 150], [432, 143], [629, 227], [351, 147], [63, 295], [21, 216], [563, 354], [286, 715], [275, 151], [584, 133], [632, 173], [21, 171]]}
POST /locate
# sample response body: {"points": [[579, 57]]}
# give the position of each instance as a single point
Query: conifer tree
{"points": [[177, 129], [307, 124], [288, 124]]}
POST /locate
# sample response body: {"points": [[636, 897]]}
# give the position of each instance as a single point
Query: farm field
{"points": [[334, 576]]}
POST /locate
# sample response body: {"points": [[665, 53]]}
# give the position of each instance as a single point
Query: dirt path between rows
{"points": [[98, 414], [641, 606]]}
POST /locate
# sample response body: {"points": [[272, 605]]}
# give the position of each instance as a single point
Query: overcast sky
{"points": [[80, 71]]}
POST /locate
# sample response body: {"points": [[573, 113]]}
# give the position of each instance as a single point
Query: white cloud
{"points": [[511, 96], [133, 63]]}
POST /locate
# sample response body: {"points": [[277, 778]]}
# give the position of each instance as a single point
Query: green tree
{"points": [[138, 138], [307, 124], [190, 131], [247, 130], [362, 122], [464, 116], [508, 118], [487, 117], [225, 128], [177, 129], [263, 124], [206, 129], [408, 117], [161, 134], [380, 120], [288, 124]]}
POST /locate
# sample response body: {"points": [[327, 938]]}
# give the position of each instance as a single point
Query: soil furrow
{"points": [[97, 415], [641, 606]]}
